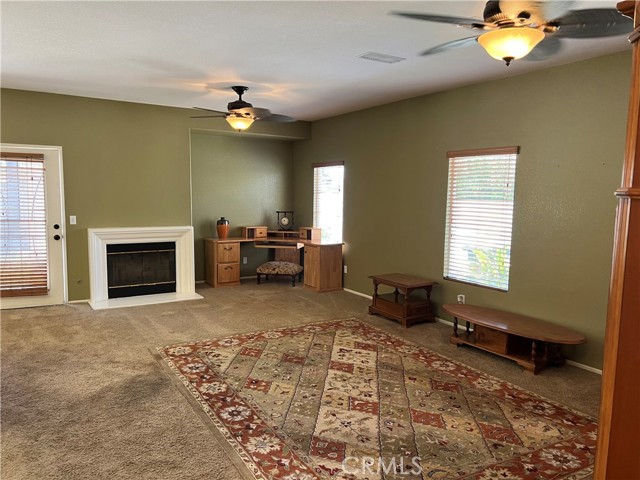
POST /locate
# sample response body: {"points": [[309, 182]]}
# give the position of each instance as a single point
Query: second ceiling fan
{"points": [[241, 114], [512, 29]]}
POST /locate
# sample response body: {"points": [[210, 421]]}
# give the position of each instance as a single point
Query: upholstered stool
{"points": [[280, 268]]}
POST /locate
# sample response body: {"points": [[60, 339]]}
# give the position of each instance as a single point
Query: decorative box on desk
{"points": [[254, 232], [400, 305], [311, 233]]}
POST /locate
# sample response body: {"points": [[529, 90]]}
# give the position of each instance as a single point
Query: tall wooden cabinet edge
{"points": [[323, 267]]}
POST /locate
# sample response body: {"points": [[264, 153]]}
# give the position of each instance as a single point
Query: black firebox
{"points": [[141, 268]]}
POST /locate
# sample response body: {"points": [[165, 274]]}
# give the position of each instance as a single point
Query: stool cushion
{"points": [[279, 268]]}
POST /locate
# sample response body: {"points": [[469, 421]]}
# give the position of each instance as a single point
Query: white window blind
{"points": [[479, 216], [328, 183], [23, 233]]}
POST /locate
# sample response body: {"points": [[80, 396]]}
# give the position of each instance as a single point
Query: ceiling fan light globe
{"points": [[510, 43], [239, 122]]}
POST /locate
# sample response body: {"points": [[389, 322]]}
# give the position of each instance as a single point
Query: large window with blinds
{"points": [[328, 183], [480, 216], [23, 235]]}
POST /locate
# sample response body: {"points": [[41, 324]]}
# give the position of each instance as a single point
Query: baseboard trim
{"points": [[573, 363], [79, 301], [353, 292], [582, 366]]}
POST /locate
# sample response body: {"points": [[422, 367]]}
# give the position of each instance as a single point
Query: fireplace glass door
{"points": [[141, 269]]}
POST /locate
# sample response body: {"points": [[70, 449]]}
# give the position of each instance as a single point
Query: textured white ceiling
{"points": [[299, 58]]}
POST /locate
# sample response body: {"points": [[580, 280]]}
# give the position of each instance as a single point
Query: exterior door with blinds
{"points": [[32, 247]]}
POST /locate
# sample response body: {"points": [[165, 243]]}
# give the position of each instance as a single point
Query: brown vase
{"points": [[222, 226]]}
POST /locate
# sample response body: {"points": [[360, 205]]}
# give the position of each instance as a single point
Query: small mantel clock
{"points": [[285, 219]]}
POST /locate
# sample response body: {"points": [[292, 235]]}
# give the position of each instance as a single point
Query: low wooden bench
{"points": [[533, 344]]}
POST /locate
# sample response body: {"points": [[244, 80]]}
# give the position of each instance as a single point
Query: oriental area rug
{"points": [[344, 400]]}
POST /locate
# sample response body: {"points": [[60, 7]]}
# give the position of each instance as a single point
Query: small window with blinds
{"points": [[479, 216], [23, 233], [328, 183]]}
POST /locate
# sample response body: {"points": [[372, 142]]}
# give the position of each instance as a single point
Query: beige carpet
{"points": [[83, 397]]}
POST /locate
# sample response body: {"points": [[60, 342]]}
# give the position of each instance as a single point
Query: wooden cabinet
{"points": [[323, 267], [311, 266], [222, 262]]}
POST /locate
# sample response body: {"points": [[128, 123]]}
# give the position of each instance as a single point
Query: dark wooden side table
{"points": [[400, 305]]}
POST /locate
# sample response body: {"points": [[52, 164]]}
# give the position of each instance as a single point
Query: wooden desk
{"points": [[533, 344], [322, 261], [400, 305]]}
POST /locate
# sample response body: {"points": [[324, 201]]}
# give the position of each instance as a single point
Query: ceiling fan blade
{"points": [[210, 110], [264, 114], [461, 21], [461, 42], [555, 9], [274, 117], [592, 23], [209, 116], [545, 49]]}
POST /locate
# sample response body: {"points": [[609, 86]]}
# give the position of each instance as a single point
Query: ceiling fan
{"points": [[242, 114], [513, 28]]}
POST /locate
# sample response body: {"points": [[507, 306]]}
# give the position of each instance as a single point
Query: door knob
{"points": [[56, 226], [57, 237]]}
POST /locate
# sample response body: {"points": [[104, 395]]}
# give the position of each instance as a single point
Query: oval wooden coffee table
{"points": [[533, 344]]}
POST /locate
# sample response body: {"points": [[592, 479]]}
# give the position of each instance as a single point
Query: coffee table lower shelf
{"points": [[530, 354], [406, 311]]}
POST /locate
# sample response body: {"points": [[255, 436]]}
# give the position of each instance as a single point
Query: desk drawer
{"points": [[491, 339], [228, 272], [228, 252]]}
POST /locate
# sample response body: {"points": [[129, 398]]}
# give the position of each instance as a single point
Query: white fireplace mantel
{"points": [[99, 238]]}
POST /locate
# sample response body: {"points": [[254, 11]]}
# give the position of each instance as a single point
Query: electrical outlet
{"points": [[344, 269], [461, 298], [244, 260]]}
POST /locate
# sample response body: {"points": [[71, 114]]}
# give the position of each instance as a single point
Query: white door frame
{"points": [[18, 302]]}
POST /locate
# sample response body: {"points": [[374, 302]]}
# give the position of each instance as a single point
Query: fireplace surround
{"points": [[100, 238]]}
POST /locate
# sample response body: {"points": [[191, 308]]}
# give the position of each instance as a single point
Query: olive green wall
{"points": [[242, 179], [125, 164], [570, 124], [128, 164]]}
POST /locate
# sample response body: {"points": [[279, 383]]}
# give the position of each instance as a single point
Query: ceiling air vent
{"points": [[381, 57]]}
